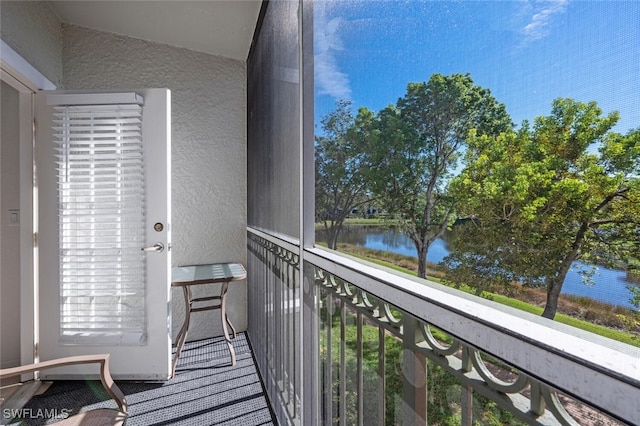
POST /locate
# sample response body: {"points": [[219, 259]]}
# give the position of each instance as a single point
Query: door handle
{"points": [[158, 247]]}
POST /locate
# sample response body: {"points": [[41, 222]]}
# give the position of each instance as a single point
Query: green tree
{"points": [[474, 260], [340, 183], [414, 148], [540, 199]]}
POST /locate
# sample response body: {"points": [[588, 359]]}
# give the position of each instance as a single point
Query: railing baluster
{"points": [[360, 373], [286, 342], [329, 362], [466, 405], [537, 399], [310, 351], [295, 354], [343, 367], [284, 308], [278, 315], [272, 308], [382, 388], [414, 370], [466, 391]]}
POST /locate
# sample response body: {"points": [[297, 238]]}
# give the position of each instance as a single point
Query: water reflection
{"points": [[609, 285]]}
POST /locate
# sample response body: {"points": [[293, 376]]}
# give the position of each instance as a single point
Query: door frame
{"points": [[27, 80]]}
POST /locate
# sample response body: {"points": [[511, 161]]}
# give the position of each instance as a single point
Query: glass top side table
{"points": [[188, 276]]}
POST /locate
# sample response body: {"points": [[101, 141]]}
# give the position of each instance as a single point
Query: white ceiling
{"points": [[217, 27]]}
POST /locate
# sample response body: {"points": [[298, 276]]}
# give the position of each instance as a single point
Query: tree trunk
{"points": [[333, 232], [332, 239], [554, 284], [554, 287], [336, 234], [332, 235], [422, 260]]}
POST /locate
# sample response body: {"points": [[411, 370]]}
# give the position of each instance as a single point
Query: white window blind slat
{"points": [[127, 144], [127, 122], [126, 159], [100, 169]]}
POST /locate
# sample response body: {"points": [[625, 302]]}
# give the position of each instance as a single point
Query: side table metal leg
{"points": [[225, 320], [182, 334], [225, 317], [233, 329]]}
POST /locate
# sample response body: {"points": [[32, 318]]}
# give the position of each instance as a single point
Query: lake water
{"points": [[609, 285]]}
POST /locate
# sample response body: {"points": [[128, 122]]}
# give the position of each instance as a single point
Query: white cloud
{"points": [[542, 18], [329, 79]]}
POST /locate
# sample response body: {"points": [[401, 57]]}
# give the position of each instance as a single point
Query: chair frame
{"points": [[105, 377]]}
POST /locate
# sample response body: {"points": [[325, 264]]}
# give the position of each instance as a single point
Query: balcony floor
{"points": [[206, 390]]}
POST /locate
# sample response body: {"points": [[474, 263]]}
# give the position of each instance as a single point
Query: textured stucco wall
{"points": [[208, 147], [33, 30]]}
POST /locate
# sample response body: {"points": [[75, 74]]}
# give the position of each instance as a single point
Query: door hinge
{"points": [[35, 239]]}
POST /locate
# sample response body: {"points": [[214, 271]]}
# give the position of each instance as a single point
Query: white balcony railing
{"points": [[371, 346]]}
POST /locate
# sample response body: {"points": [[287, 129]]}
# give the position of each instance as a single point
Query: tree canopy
{"points": [[414, 146], [540, 198], [340, 183]]}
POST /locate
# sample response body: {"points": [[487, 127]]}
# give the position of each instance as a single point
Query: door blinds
{"points": [[101, 184]]}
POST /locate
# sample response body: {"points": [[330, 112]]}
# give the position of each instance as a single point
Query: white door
{"points": [[103, 194]]}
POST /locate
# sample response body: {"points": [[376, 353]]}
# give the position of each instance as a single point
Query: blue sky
{"points": [[526, 52]]}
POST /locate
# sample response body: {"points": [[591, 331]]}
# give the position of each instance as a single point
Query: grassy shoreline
{"points": [[606, 320]]}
